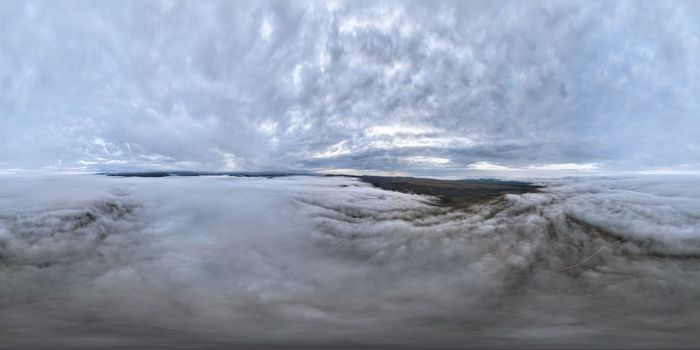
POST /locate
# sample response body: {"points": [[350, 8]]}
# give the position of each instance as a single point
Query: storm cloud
{"points": [[414, 87]]}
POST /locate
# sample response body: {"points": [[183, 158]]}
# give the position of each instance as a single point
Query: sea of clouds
{"points": [[89, 260]]}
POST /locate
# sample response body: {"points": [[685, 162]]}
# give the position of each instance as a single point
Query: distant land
{"points": [[454, 193], [205, 173]]}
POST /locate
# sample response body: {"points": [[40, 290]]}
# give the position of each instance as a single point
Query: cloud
{"points": [[536, 170], [274, 85], [329, 260], [488, 166], [393, 130], [428, 160], [565, 166], [681, 169]]}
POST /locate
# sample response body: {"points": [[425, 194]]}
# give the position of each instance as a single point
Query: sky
{"points": [[414, 87]]}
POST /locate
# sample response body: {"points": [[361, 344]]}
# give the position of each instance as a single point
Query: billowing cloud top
{"points": [[318, 262], [419, 87]]}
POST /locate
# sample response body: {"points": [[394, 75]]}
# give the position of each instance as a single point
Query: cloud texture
{"points": [[420, 87], [218, 261]]}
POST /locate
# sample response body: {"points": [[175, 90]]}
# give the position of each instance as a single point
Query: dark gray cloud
{"points": [[399, 86]]}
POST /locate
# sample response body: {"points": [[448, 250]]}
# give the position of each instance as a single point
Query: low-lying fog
{"points": [[88, 260]]}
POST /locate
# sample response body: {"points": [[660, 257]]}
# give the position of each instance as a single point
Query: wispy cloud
{"points": [[565, 166], [488, 166]]}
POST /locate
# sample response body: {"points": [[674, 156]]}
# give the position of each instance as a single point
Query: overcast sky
{"points": [[423, 88]]}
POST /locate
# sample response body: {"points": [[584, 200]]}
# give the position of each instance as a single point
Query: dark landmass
{"points": [[455, 193], [204, 173]]}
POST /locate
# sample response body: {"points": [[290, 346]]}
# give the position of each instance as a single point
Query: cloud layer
{"points": [[218, 261], [400, 86]]}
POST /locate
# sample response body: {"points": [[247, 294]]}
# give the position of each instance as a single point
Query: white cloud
{"points": [[681, 169], [393, 130], [416, 142], [489, 166], [565, 166], [428, 160], [268, 127], [266, 29], [338, 149]]}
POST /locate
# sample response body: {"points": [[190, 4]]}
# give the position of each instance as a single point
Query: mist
{"points": [[94, 261]]}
